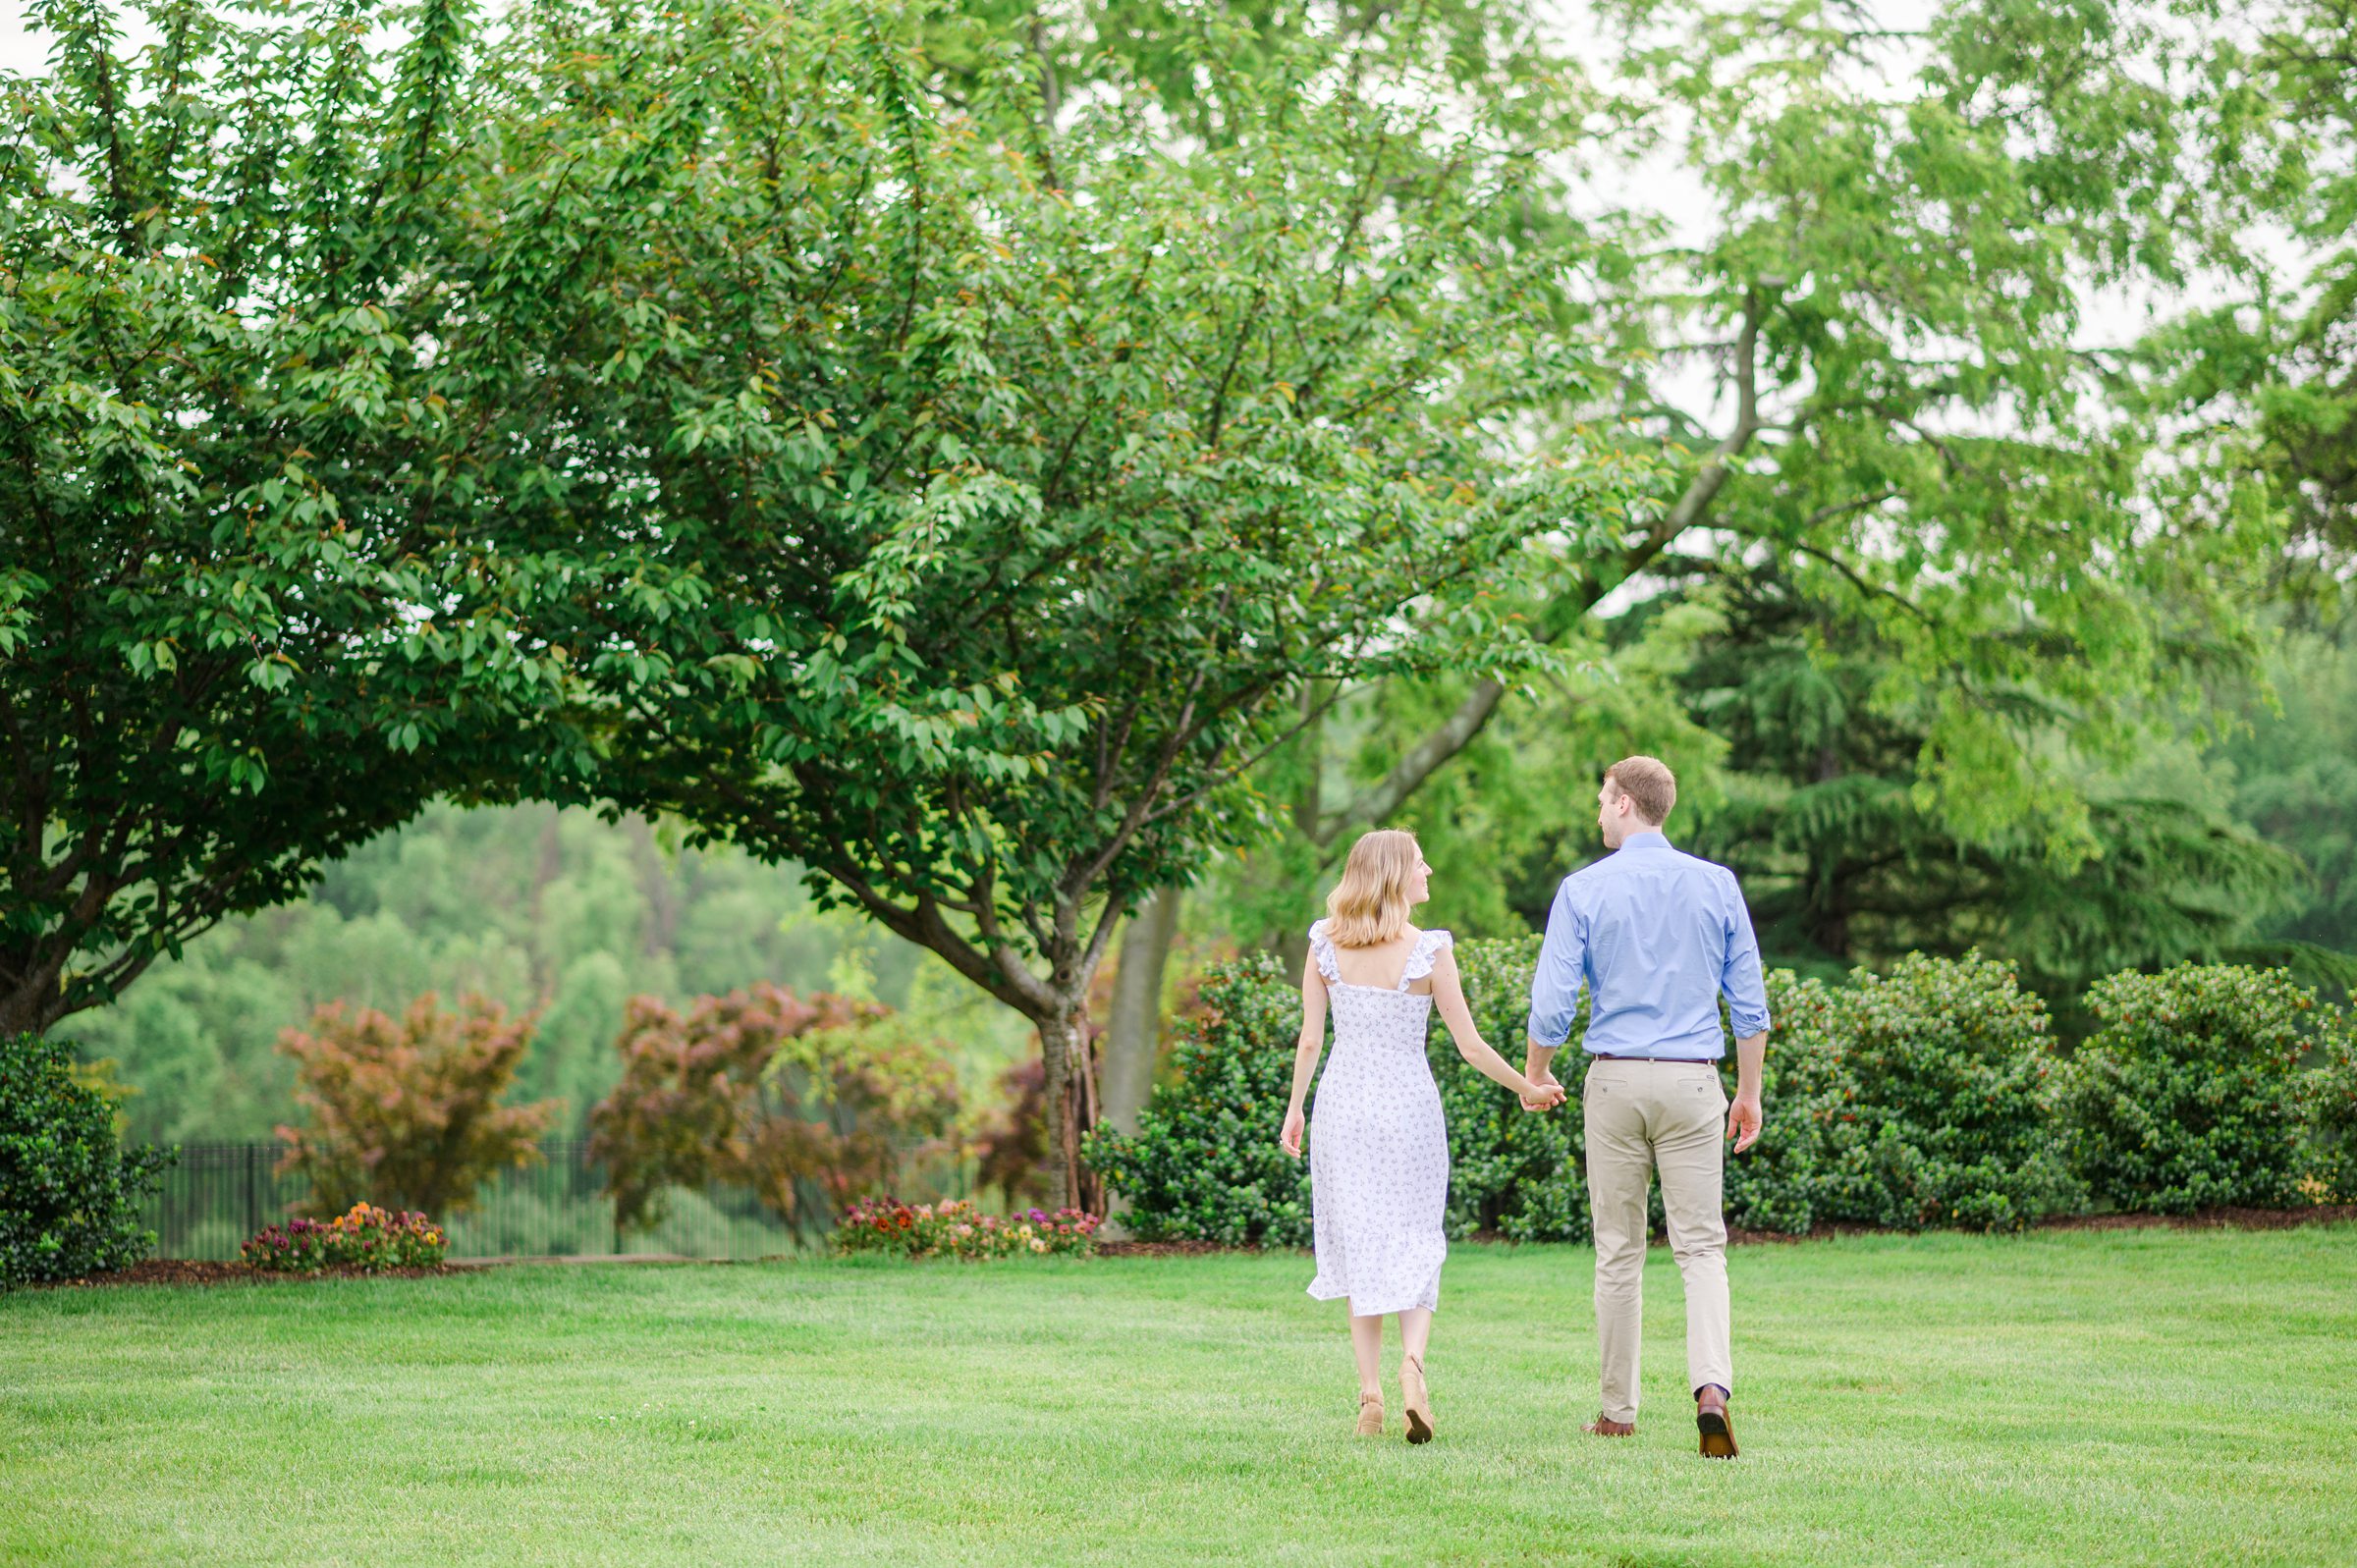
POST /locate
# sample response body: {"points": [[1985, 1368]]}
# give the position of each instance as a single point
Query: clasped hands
{"points": [[1549, 1096]]}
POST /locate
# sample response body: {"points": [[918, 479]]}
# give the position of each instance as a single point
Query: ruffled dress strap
{"points": [[1321, 948], [1427, 952]]}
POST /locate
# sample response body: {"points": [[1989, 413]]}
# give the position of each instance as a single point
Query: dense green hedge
{"points": [[1930, 1096], [70, 1194], [2330, 1113], [1936, 1108], [2189, 1095]]}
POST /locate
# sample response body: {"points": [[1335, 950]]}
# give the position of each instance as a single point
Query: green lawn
{"points": [[2072, 1398]]}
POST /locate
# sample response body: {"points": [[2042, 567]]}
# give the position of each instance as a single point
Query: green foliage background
{"points": [[531, 905], [1962, 657]]}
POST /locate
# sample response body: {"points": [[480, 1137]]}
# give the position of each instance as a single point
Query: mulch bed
{"points": [[2206, 1220], [2328, 1213], [192, 1271], [1165, 1249], [2323, 1213]]}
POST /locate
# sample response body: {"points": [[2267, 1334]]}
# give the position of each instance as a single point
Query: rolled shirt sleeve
{"points": [[1739, 979], [1562, 967]]}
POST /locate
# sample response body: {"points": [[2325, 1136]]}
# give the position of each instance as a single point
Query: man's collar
{"points": [[1649, 839]]}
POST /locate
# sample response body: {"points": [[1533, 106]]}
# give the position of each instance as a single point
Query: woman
{"points": [[1379, 1164]]}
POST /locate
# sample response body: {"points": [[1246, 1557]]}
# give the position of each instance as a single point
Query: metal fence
{"points": [[216, 1195]]}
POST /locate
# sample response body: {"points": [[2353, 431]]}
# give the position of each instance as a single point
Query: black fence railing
{"points": [[216, 1195]]}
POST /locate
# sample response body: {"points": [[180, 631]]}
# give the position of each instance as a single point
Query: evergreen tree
{"points": [[2295, 778], [1847, 859]]}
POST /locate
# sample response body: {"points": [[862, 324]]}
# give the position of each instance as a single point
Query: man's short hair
{"points": [[1649, 784]]}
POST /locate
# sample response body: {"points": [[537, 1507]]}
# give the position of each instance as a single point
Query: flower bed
{"points": [[956, 1228], [367, 1238]]}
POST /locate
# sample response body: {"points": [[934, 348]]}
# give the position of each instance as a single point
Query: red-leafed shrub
{"points": [[408, 1113], [803, 1101]]}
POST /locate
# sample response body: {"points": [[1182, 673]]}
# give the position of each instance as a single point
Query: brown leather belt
{"points": [[1671, 1062]]}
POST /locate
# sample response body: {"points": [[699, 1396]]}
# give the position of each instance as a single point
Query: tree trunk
{"points": [[33, 1000], [1291, 944], [19, 1014], [1071, 1108], [1291, 949], [1086, 1109], [1134, 1031]]}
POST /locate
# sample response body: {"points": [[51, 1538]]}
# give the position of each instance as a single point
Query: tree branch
{"points": [[1457, 731]]}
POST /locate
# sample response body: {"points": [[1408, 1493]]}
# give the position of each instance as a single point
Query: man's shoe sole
{"points": [[1718, 1438]]}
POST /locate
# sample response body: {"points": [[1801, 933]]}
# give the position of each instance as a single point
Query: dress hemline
{"points": [[1428, 1299]]}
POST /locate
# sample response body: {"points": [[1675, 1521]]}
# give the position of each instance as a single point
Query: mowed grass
{"points": [[2072, 1398]]}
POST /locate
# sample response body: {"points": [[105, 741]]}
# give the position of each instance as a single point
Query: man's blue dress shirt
{"points": [[1657, 937]]}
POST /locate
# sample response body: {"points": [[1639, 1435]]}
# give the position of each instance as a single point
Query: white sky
{"points": [[18, 52]]}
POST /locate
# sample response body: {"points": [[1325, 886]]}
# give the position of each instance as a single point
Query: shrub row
{"points": [[1931, 1096]]}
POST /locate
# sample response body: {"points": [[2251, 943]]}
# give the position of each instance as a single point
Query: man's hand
{"points": [[1548, 1095], [1537, 1066], [1743, 1121]]}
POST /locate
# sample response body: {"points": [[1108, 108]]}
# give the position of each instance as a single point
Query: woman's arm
{"points": [[1449, 993], [1305, 1054]]}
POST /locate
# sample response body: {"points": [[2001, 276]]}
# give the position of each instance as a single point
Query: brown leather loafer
{"points": [[1605, 1427], [1718, 1432]]}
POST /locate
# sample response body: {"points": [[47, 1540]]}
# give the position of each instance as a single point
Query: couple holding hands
{"points": [[1657, 937]]}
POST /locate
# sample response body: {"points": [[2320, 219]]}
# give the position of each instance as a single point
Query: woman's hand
{"points": [[1289, 1140]]}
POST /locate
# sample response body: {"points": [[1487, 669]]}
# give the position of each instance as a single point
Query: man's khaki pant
{"points": [[1641, 1115]]}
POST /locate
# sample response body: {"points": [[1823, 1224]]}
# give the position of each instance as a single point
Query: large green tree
{"points": [[1848, 249], [2263, 376], [1860, 335], [267, 470], [1022, 478]]}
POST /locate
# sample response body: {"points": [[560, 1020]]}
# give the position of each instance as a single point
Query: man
{"points": [[1657, 937]]}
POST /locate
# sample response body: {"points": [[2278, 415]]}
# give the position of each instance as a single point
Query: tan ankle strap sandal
{"points": [[1417, 1398]]}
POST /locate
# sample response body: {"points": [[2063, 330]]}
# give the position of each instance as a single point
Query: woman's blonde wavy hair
{"points": [[1369, 905]]}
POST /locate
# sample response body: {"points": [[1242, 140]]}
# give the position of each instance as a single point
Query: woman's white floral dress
{"points": [[1378, 1148]]}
